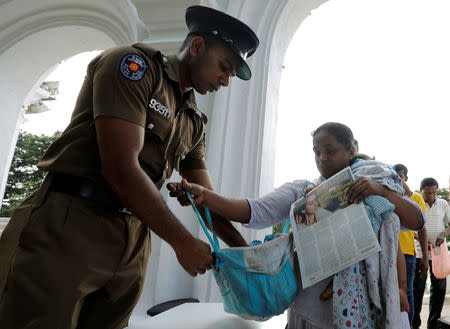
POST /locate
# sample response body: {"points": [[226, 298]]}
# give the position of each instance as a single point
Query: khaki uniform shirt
{"points": [[140, 85]]}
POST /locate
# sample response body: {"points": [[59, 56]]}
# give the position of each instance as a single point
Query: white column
{"points": [[242, 120]]}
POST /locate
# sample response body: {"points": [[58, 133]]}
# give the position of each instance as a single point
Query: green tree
{"points": [[24, 176], [443, 193], [278, 228]]}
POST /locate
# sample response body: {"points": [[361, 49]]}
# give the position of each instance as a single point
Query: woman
{"points": [[333, 146]]}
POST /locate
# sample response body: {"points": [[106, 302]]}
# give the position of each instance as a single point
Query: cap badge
{"points": [[133, 67]]}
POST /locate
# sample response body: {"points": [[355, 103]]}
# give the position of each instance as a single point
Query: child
{"points": [[334, 150]]}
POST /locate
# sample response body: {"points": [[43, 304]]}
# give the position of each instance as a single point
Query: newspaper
{"points": [[330, 233]]}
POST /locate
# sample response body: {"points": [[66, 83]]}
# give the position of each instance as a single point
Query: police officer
{"points": [[74, 254]]}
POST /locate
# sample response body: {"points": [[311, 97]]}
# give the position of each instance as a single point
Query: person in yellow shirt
{"points": [[406, 240]]}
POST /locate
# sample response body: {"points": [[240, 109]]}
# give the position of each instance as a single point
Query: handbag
{"points": [[256, 281], [440, 261]]}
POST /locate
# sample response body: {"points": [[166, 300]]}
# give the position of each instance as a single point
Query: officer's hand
{"points": [[362, 188], [195, 256]]}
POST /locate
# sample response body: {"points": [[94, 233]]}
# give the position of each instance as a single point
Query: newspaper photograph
{"points": [[330, 233]]}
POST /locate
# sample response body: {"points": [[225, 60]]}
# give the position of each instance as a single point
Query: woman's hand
{"points": [[178, 190], [362, 188], [309, 189]]}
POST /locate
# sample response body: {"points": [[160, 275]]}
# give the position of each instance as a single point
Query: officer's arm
{"points": [[224, 229], [120, 143]]}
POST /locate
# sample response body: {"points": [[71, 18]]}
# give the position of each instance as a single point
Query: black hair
{"points": [[208, 39], [362, 156], [341, 132], [399, 167], [358, 155], [356, 145], [429, 181]]}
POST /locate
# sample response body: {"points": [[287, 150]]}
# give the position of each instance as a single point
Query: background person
{"points": [[334, 150], [71, 255], [438, 214], [406, 240]]}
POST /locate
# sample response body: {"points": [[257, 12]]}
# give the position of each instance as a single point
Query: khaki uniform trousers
{"points": [[68, 263]]}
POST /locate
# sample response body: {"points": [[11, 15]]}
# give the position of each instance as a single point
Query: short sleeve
{"points": [[420, 207], [123, 81], [446, 211], [419, 200], [195, 158]]}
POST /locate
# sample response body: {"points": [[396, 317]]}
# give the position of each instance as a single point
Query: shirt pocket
{"points": [[153, 157], [188, 132], [157, 127]]}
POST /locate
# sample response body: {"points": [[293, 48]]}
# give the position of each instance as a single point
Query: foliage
{"points": [[24, 176], [278, 228], [443, 193]]}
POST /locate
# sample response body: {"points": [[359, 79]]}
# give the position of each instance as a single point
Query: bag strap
{"points": [[286, 226], [214, 242], [288, 221]]}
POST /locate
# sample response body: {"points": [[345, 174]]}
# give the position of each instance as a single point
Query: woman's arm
{"points": [[410, 215], [266, 211], [223, 227], [237, 210]]}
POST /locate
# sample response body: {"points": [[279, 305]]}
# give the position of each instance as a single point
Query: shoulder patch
{"points": [[133, 67]]}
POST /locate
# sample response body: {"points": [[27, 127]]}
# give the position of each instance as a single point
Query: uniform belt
{"points": [[86, 189]]}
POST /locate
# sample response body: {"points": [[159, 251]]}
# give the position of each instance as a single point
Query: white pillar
{"points": [[242, 120]]}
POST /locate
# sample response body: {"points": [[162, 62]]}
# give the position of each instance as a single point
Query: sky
{"points": [[382, 67]]}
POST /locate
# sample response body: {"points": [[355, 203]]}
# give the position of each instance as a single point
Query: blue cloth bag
{"points": [[257, 281]]}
